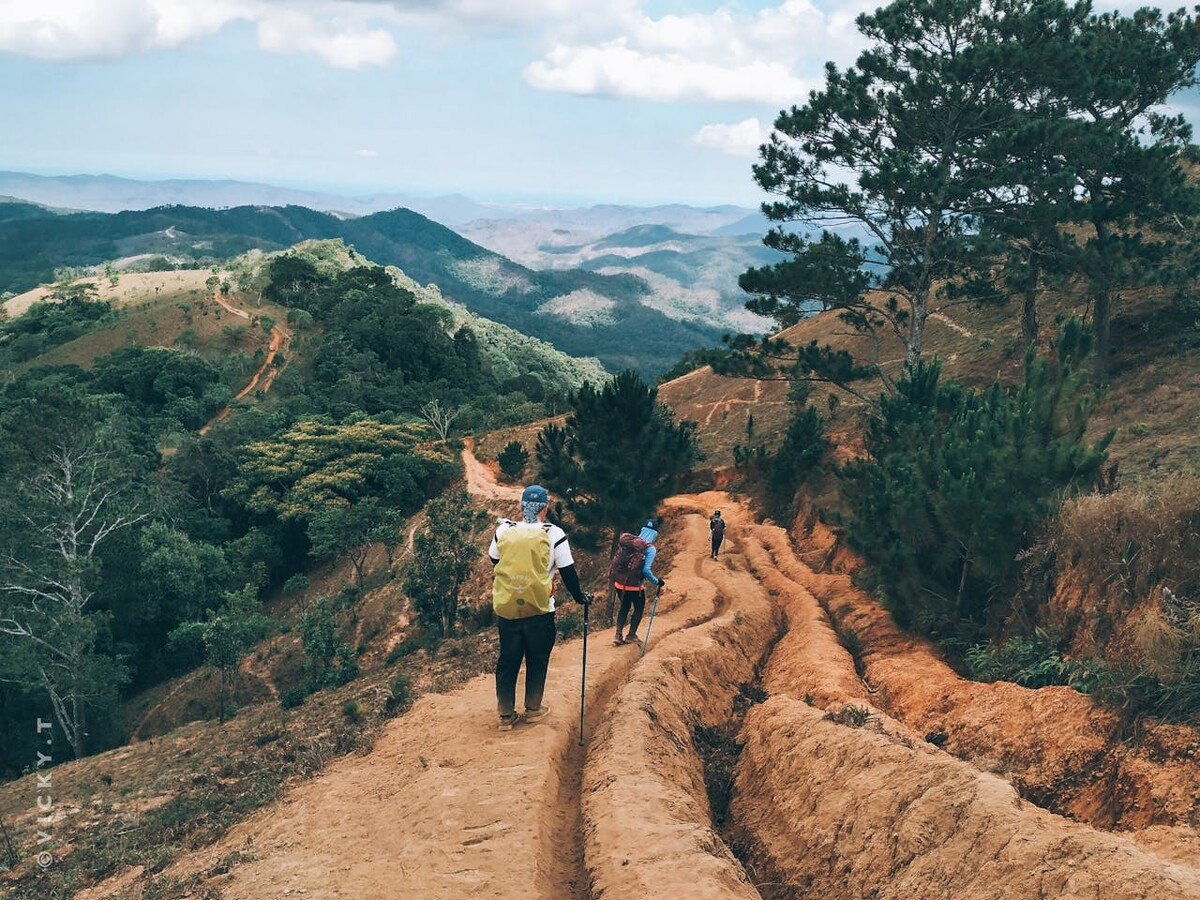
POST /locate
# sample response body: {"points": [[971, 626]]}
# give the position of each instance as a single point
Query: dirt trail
{"points": [[444, 805], [264, 376], [831, 795], [482, 483]]}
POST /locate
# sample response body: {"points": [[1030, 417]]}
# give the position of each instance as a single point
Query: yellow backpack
{"points": [[521, 580]]}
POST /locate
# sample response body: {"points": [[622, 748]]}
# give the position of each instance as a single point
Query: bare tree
{"points": [[72, 507], [439, 418]]}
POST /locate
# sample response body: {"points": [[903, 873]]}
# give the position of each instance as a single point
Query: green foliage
{"points": [[513, 459], [400, 696], [976, 133], [338, 531], [443, 553], [226, 634], [957, 482], [569, 624], [315, 466], [353, 711], [804, 446], [46, 324], [1033, 661], [620, 454], [329, 661]]}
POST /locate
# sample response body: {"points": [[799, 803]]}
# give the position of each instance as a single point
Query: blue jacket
{"points": [[649, 535]]}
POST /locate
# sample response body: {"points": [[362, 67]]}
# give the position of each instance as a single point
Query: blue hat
{"points": [[535, 493]]}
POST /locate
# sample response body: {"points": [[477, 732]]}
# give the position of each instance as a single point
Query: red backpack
{"points": [[627, 562]]}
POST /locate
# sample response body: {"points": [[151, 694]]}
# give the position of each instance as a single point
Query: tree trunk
{"points": [[962, 587], [1029, 316], [78, 724], [1102, 331], [1102, 311], [916, 331]]}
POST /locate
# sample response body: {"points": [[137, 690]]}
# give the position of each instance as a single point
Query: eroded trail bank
{"points": [[841, 799], [1062, 750]]}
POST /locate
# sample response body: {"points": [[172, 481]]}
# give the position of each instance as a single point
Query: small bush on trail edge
{"points": [[353, 711], [569, 624], [850, 715], [293, 697], [513, 459], [1031, 662], [401, 696]]}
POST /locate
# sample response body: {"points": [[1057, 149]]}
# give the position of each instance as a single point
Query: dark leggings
{"points": [[717, 538], [530, 640], [635, 600]]}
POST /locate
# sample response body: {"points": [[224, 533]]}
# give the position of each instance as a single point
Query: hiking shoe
{"points": [[536, 715], [618, 640], [633, 639], [507, 722]]}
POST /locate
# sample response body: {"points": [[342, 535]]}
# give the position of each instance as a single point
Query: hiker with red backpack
{"points": [[631, 565], [526, 555]]}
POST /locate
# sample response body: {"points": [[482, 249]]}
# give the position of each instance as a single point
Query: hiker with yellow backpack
{"points": [[526, 555]]}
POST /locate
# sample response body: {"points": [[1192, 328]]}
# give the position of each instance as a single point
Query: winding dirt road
{"points": [[264, 376]]}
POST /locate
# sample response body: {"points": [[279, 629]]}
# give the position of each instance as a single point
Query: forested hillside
{"points": [[138, 514], [625, 332]]}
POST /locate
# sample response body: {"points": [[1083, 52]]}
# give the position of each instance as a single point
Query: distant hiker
{"points": [[716, 528], [631, 565], [525, 556]]}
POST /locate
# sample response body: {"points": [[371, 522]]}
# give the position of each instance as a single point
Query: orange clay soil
{"points": [[1061, 749], [647, 824], [905, 819], [444, 805]]}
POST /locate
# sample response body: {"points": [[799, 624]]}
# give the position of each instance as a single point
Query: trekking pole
{"points": [[587, 619], [650, 624]]}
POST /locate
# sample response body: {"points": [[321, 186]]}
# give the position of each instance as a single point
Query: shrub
{"points": [[293, 697], [513, 459], [569, 623], [401, 696], [1032, 661], [353, 711], [804, 446], [957, 482], [295, 584], [850, 715]]}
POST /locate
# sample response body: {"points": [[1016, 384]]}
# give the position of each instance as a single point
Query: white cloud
{"points": [[611, 47], [338, 33], [722, 55], [366, 153], [737, 139]]}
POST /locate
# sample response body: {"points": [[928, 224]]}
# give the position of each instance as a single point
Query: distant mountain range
{"points": [[609, 316], [109, 193], [690, 276]]}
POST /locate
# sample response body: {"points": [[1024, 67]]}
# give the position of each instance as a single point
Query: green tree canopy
{"points": [[619, 456]]}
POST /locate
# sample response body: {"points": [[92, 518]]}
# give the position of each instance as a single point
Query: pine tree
{"points": [[908, 119], [513, 459], [620, 454], [957, 482]]}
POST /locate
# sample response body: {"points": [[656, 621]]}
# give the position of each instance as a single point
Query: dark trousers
{"points": [[530, 640], [635, 600], [717, 537]]}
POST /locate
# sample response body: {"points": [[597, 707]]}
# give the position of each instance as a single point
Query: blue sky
{"points": [[558, 101], [526, 100]]}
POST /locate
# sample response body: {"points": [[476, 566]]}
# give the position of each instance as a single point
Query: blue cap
{"points": [[535, 493]]}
